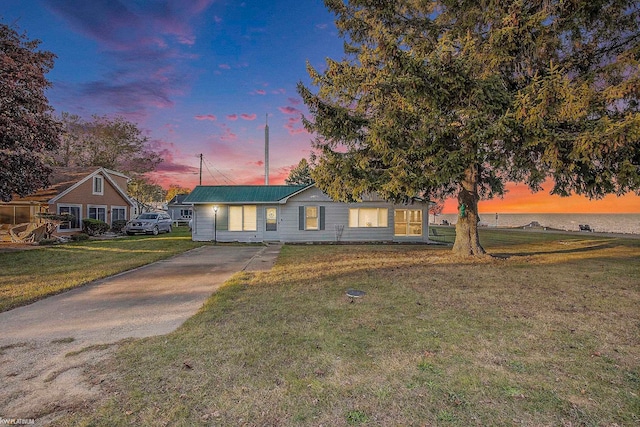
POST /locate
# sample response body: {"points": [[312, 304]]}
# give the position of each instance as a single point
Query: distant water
{"points": [[605, 223]]}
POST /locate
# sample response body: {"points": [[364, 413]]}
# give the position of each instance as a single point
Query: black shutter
{"points": [[301, 218], [321, 217]]}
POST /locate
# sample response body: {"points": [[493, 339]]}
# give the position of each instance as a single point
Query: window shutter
{"points": [[301, 218], [321, 218]]}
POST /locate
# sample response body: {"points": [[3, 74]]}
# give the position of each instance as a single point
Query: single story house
{"points": [[179, 212], [92, 192], [300, 213]]}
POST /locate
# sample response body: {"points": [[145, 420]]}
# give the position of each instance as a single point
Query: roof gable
{"points": [[242, 193], [100, 171], [178, 199]]}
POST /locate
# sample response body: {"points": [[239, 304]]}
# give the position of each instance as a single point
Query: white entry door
{"points": [[271, 223]]}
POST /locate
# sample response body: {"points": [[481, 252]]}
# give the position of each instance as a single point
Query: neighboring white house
{"points": [[179, 212], [294, 213]]}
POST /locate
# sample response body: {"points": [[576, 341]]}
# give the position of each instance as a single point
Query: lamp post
{"points": [[215, 225]]}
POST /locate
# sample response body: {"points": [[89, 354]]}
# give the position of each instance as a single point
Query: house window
{"points": [[118, 213], [408, 222], [368, 217], [15, 214], [311, 217], [98, 212], [98, 185], [185, 213], [7, 215], [243, 218], [74, 222]]}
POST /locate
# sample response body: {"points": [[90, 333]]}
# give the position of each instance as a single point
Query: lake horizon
{"points": [[624, 223]]}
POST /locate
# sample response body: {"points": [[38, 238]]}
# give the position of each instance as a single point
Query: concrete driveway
{"points": [[49, 350], [151, 300]]}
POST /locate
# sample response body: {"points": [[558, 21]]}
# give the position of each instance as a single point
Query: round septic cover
{"points": [[354, 293]]}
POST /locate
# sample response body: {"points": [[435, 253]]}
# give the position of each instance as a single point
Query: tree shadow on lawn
{"points": [[569, 247]]}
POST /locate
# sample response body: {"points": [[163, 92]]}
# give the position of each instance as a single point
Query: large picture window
{"points": [[408, 222], [74, 223], [14, 214], [368, 217], [243, 218]]}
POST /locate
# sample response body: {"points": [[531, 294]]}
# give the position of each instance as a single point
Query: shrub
{"points": [[118, 225], [94, 227], [47, 242], [80, 237]]}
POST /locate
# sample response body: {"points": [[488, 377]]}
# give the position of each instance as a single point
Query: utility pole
{"points": [[200, 168]]}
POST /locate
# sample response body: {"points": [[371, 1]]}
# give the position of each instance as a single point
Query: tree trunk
{"points": [[467, 241]]}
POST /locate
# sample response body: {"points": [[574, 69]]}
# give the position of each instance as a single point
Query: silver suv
{"points": [[150, 222]]}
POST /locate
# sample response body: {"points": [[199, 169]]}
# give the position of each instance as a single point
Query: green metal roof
{"points": [[241, 193]]}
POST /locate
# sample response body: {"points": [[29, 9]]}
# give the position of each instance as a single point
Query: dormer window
{"points": [[98, 185]]}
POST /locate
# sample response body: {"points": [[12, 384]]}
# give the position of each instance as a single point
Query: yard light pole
{"points": [[215, 225]]}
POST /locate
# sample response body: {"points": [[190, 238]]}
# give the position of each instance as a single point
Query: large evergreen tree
{"points": [[300, 175], [27, 128], [441, 98]]}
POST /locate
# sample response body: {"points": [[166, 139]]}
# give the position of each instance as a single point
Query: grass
{"points": [[548, 334], [30, 275]]}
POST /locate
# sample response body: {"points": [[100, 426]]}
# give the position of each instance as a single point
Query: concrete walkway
{"points": [[151, 300]]}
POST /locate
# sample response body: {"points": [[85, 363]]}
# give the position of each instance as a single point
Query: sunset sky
{"points": [[200, 76]]}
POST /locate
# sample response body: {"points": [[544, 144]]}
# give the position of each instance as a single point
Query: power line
{"points": [[225, 178]]}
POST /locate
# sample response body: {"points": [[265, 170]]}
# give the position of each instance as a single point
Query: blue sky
{"points": [[200, 76], [197, 76]]}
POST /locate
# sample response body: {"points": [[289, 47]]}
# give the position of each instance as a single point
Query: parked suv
{"points": [[150, 222]]}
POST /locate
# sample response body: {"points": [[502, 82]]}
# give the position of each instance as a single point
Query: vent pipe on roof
{"points": [[266, 150]]}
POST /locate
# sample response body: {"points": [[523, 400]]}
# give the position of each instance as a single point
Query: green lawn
{"points": [[29, 275], [546, 334]]}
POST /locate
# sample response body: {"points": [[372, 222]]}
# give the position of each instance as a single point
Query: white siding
{"points": [[202, 230], [336, 222]]}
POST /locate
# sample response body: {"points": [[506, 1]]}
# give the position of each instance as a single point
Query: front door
{"points": [[271, 223]]}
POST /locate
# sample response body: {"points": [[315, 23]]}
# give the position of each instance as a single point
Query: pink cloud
{"points": [[280, 91], [188, 40], [169, 127], [232, 117], [248, 116], [258, 163], [294, 126], [261, 92], [224, 66], [294, 101], [228, 135], [170, 166], [289, 110], [206, 117]]}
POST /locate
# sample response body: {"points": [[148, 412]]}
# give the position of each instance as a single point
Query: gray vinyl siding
{"points": [[336, 214], [202, 230], [331, 217], [202, 224]]}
